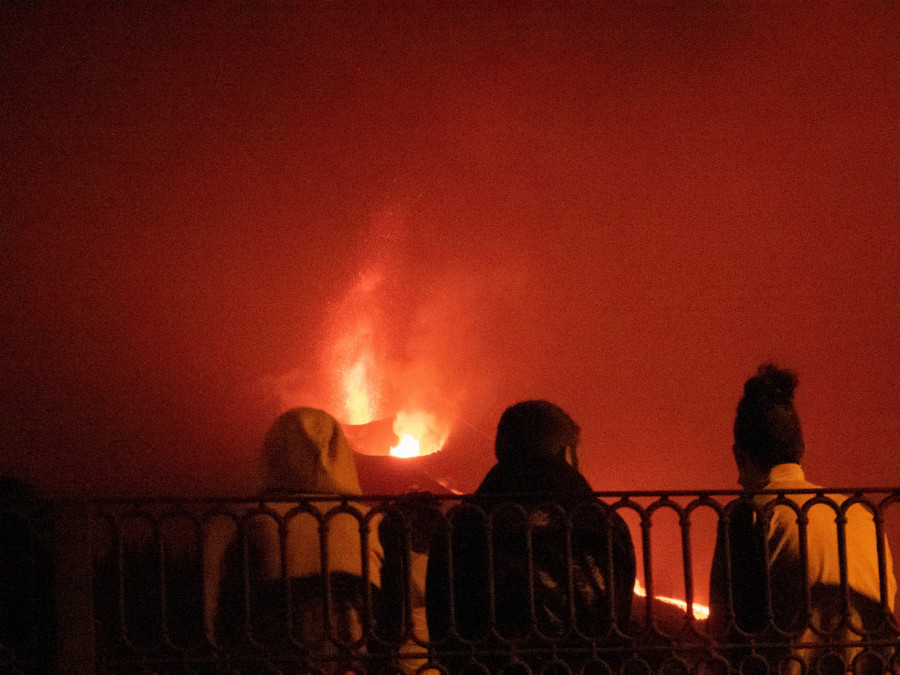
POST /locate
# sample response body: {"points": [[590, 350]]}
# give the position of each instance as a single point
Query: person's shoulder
{"points": [[556, 479], [574, 476], [569, 480]]}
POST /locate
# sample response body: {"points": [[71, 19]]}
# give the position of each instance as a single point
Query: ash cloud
{"points": [[621, 209]]}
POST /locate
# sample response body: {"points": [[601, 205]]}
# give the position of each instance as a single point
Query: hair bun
{"points": [[772, 383]]}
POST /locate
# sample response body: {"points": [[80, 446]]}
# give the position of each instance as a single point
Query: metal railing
{"points": [[237, 585]]}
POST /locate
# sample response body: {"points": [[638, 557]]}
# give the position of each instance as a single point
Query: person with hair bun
{"points": [[771, 582]]}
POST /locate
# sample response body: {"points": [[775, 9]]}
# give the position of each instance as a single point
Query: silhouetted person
{"points": [[510, 550], [304, 453], [765, 548], [26, 582]]}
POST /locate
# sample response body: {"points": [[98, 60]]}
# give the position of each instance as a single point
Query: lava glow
{"points": [[419, 433], [700, 611], [408, 447], [364, 378], [359, 397]]}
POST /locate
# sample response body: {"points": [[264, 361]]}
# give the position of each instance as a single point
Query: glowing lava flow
{"points": [[700, 612]]}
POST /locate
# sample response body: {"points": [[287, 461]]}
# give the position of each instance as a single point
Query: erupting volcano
{"points": [[411, 433], [386, 388]]}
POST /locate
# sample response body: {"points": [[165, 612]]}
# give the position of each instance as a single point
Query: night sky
{"points": [[206, 208]]}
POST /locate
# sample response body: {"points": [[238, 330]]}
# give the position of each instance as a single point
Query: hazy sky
{"points": [[206, 208]]}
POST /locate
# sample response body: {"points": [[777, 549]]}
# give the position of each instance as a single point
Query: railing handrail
{"points": [[385, 497]]}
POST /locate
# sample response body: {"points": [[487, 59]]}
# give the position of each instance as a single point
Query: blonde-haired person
{"points": [[305, 454]]}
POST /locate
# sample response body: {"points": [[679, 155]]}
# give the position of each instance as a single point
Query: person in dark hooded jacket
{"points": [[532, 527]]}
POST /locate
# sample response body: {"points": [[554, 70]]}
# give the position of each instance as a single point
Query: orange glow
{"points": [[700, 611], [359, 401], [419, 434], [355, 346], [408, 447]]}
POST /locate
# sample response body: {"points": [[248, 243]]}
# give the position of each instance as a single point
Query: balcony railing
{"points": [[235, 585]]}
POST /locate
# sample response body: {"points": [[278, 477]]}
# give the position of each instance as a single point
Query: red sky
{"points": [[623, 209]]}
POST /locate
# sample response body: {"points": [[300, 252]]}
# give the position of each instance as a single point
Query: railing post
{"points": [[73, 589]]}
